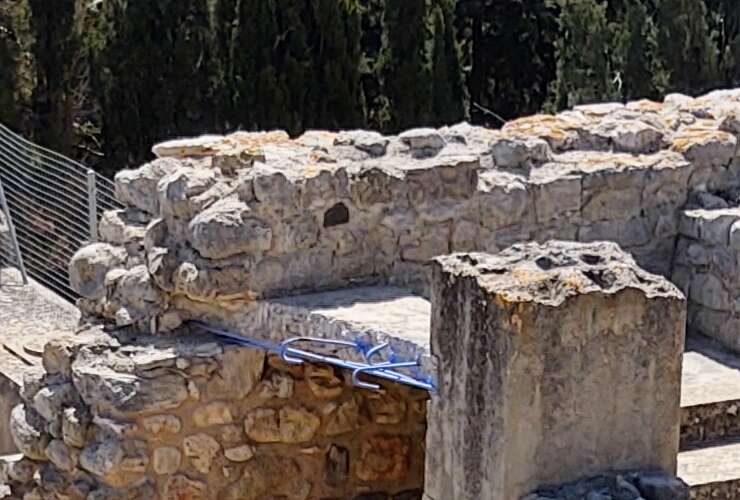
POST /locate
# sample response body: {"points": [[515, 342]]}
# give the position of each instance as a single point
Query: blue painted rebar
{"points": [[293, 355]]}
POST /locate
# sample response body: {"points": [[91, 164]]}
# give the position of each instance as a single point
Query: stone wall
{"points": [[706, 265], [217, 222], [188, 418]]}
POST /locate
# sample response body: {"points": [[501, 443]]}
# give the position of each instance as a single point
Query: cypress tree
{"points": [[448, 92], [511, 55], [725, 25], [404, 65], [336, 99], [9, 53], [54, 47], [685, 46], [635, 52], [583, 57], [155, 78]]}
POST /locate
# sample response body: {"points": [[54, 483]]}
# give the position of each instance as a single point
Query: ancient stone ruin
{"points": [[516, 283]]}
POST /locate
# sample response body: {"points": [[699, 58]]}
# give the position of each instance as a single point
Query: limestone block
{"points": [[342, 417], [179, 192], [613, 193], [118, 463], [166, 460], [550, 329], [631, 136], [423, 142], [88, 267], [504, 200], [162, 424], [704, 145], [556, 195], [239, 453], [62, 456], [709, 291], [511, 152], [28, 433], [383, 458], [229, 228], [712, 226], [212, 414], [138, 188], [366, 141], [75, 424], [201, 449], [119, 227], [179, 487], [286, 425]]}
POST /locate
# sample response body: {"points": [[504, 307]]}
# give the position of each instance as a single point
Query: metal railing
{"points": [[55, 204]]}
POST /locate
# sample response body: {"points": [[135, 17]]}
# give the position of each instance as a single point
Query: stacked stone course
{"points": [[219, 221], [189, 418], [226, 229]]}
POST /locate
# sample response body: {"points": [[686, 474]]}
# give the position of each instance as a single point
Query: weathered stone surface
{"points": [[522, 311], [118, 463], [90, 264], [229, 228], [26, 428], [288, 425], [166, 460], [201, 449]]}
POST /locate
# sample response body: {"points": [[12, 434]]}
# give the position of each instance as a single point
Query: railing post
{"points": [[92, 204], [11, 232]]}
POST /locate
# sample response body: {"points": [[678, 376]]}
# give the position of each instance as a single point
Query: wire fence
{"points": [[55, 204]]}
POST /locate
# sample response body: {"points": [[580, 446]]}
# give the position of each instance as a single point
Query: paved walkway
{"points": [[30, 315]]}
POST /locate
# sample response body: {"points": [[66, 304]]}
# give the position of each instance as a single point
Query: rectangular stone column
{"points": [[556, 362]]}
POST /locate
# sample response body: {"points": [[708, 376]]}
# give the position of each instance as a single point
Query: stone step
{"points": [[710, 393], [713, 471]]}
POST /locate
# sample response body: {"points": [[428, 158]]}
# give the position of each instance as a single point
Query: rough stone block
{"points": [[556, 362]]}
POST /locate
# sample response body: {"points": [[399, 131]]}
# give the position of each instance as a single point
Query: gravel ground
{"points": [[30, 315]]}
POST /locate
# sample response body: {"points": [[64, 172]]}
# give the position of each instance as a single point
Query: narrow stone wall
{"points": [[187, 418], [217, 222], [707, 266], [556, 362]]}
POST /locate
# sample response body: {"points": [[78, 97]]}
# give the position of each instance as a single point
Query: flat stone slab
{"points": [[30, 316], [716, 464], [711, 373], [385, 310]]}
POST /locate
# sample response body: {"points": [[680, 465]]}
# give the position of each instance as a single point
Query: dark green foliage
{"points": [[725, 25], [509, 50], [635, 59], [9, 55], [685, 46], [584, 73], [55, 45], [404, 65], [154, 75], [103, 80], [448, 91]]}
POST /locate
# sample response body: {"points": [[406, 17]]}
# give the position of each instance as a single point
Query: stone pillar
{"points": [[556, 362]]}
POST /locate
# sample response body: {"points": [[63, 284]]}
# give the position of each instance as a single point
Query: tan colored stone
{"points": [[343, 417], [212, 414], [74, 427], [288, 425], [386, 407], [166, 460], [241, 370], [240, 453], [183, 488], [62, 456], [383, 458], [297, 425], [232, 434], [262, 425], [162, 424], [323, 382], [276, 385], [201, 449]]}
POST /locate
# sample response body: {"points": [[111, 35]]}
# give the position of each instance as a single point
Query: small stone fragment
{"points": [[240, 453], [166, 460], [201, 449]]}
